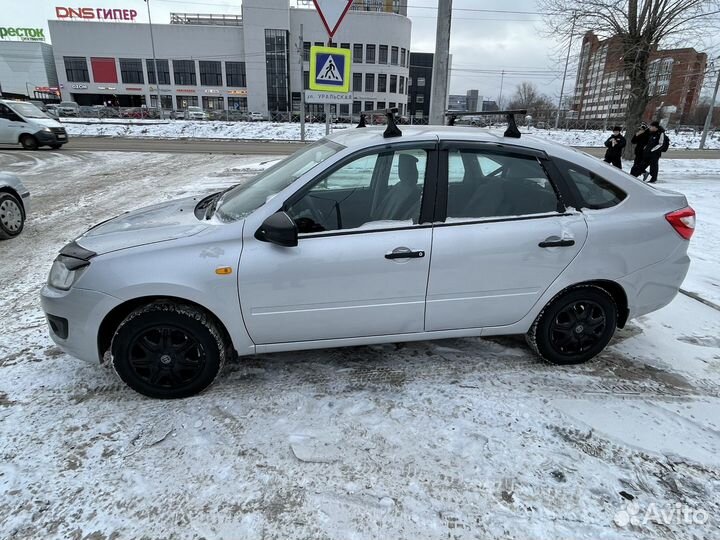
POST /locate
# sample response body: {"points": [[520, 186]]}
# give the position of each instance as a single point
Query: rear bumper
{"points": [[655, 286], [74, 319]]}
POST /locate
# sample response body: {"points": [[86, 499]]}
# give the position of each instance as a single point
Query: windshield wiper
{"points": [[210, 210]]}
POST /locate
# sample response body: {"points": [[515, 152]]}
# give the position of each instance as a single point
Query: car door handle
{"points": [[553, 241], [405, 254]]}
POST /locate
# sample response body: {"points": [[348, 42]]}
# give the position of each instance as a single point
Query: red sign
{"points": [[95, 14], [332, 13]]}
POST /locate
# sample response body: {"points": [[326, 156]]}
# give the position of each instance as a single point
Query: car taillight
{"points": [[683, 221]]}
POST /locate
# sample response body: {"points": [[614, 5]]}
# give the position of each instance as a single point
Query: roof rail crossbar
{"points": [[512, 129], [392, 130]]}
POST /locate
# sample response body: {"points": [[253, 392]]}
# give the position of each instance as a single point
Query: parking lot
{"points": [[462, 438]]}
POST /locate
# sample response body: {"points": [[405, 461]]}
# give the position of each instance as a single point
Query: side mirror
{"points": [[278, 229]]}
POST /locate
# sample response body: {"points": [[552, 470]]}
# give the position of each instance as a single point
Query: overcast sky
{"points": [[482, 43]]}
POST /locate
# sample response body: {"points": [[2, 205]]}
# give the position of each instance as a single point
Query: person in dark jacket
{"points": [[615, 144], [656, 145], [640, 140]]}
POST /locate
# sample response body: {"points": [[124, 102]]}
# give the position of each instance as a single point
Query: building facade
{"points": [[675, 78], [27, 68], [420, 85], [253, 62]]}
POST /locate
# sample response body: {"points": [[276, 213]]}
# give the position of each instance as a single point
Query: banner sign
{"points": [[328, 97], [95, 14], [23, 34]]}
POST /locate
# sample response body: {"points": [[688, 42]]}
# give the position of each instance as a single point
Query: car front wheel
{"points": [[29, 142], [168, 350], [575, 326], [12, 218]]}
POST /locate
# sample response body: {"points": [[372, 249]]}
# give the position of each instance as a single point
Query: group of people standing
{"points": [[650, 142]]}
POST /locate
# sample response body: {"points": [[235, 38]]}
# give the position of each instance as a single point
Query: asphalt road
{"points": [[262, 147]]}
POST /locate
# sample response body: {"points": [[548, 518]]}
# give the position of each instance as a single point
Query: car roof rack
{"points": [[512, 129], [392, 130]]}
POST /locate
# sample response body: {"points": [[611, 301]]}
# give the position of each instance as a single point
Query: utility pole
{"points": [[502, 80], [302, 85], [157, 73], [441, 64], [567, 61], [708, 118]]}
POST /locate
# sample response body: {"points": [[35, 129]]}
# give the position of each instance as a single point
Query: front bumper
{"points": [[51, 137], [77, 313]]}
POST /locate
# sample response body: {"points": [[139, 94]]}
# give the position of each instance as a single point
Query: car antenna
{"points": [[512, 129], [391, 130]]}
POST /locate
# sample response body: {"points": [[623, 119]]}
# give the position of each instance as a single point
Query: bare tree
{"points": [[527, 96], [642, 26]]}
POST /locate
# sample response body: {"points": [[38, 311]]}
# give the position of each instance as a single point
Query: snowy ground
{"points": [[463, 438], [181, 129]]}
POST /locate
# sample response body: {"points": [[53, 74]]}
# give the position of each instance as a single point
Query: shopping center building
{"points": [[247, 62]]}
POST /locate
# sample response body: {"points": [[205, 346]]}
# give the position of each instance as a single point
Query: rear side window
{"points": [[594, 192]]}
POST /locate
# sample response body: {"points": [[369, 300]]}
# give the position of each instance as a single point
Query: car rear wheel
{"points": [[575, 326], [12, 218], [29, 142], [168, 350]]}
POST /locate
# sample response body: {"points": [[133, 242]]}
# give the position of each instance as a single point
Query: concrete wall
{"points": [[24, 62]]}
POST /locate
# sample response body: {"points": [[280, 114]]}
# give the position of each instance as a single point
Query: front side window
{"points": [[373, 191], [483, 184], [131, 71], [184, 71], [245, 198], [210, 73], [76, 69], [594, 192]]}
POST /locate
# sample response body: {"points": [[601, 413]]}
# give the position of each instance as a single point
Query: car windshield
{"points": [[28, 110], [195, 109], [248, 197]]}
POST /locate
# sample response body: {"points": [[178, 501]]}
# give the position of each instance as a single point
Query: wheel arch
{"points": [[115, 316], [614, 289]]}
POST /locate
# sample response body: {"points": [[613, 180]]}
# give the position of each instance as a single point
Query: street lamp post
{"points": [[157, 73]]}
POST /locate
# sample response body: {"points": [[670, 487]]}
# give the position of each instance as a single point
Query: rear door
{"points": [[505, 236]]}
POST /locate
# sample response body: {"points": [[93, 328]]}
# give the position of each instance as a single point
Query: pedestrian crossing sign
{"points": [[330, 69]]}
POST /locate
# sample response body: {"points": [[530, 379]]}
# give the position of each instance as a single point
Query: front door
{"points": [[361, 265], [10, 125], [505, 239]]}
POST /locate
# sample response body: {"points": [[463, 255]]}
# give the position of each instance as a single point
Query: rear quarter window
{"points": [[592, 191]]}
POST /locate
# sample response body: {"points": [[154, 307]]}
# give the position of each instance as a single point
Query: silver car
{"points": [[14, 206], [441, 232]]}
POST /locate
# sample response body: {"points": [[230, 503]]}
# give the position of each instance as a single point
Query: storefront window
{"points": [[165, 101], [76, 69], [213, 103], [163, 69], [131, 71], [237, 104], [183, 102]]}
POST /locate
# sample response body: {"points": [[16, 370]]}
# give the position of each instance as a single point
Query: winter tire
{"points": [[12, 217], [575, 326], [167, 350], [29, 142]]}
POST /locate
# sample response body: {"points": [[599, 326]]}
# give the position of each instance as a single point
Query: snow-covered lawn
{"points": [[181, 129], [462, 438]]}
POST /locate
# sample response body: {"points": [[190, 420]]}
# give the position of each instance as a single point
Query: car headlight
{"points": [[47, 129], [65, 271]]}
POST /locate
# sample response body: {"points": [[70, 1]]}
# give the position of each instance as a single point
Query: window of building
{"points": [[76, 69], [394, 56], [183, 102], [210, 73], [402, 84], [421, 81], [276, 69], [345, 109], [380, 104], [357, 82], [369, 106], [357, 53], [383, 54], [235, 74], [420, 98], [484, 184], [184, 71], [306, 80], [237, 104], [163, 68], [392, 105], [213, 103], [131, 71], [402, 56], [409, 82], [382, 82], [370, 54], [306, 51], [393, 84], [165, 101], [344, 45], [319, 43], [379, 187], [369, 82], [357, 107]]}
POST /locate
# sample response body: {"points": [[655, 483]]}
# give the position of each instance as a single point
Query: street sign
{"points": [[328, 97], [330, 69], [332, 12]]}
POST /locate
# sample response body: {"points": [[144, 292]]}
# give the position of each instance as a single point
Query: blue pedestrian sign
{"points": [[330, 69]]}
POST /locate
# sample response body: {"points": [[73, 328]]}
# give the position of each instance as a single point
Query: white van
{"points": [[22, 122]]}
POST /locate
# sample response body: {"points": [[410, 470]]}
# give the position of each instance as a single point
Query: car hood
{"points": [[149, 225], [48, 122]]}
